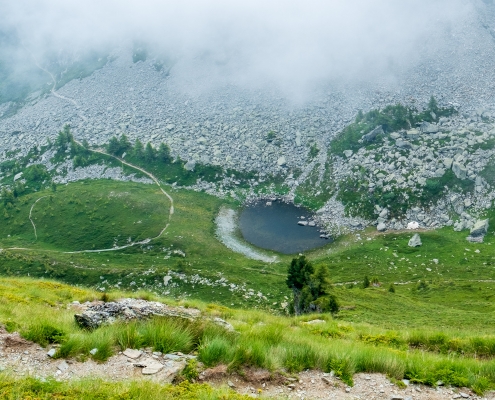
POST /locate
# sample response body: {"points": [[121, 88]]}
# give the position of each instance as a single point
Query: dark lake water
{"points": [[275, 228]]}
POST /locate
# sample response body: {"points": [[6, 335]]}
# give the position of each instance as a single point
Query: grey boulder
{"points": [[415, 241]]}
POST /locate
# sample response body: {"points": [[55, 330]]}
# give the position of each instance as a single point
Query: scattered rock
{"points": [[63, 366], [381, 227], [152, 368], [51, 352], [415, 241], [132, 353]]}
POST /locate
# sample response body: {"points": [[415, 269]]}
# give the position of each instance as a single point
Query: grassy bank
{"points": [[278, 344]]}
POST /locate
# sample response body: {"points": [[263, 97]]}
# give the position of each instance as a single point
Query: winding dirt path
{"points": [[150, 175], [30, 216]]}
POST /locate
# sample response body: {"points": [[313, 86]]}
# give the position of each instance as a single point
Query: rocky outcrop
{"points": [[369, 137], [95, 314]]}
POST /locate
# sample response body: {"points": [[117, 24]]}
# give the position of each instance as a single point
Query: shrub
{"points": [[214, 351], [167, 335]]}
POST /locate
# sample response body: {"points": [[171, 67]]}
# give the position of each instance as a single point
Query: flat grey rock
{"points": [[132, 353]]}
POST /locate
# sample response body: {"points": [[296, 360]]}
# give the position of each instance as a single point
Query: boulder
{"points": [[384, 213], [403, 144], [281, 161], [348, 153], [459, 170], [369, 137], [480, 228], [448, 162], [415, 241], [413, 134], [426, 127], [99, 313], [381, 227], [189, 166], [412, 225]]}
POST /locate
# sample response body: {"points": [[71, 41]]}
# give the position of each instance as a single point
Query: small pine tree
{"points": [[432, 104], [113, 146], [366, 282], [138, 150], [125, 145], [391, 288], [298, 277], [149, 153], [164, 153]]}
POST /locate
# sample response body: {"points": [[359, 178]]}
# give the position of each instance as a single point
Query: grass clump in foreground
{"points": [[276, 343], [31, 388]]}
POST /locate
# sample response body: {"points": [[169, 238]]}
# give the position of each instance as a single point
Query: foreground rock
{"points": [[478, 231], [415, 241], [95, 314]]}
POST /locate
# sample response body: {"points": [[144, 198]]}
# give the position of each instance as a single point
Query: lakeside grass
{"points": [[37, 309]]}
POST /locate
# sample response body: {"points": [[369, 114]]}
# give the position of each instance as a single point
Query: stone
{"points": [[384, 213], [302, 223], [51, 352], [152, 368], [369, 137], [132, 353], [190, 165], [403, 144], [413, 134], [480, 228], [348, 153], [93, 351], [281, 161], [224, 324], [173, 357], [459, 170], [381, 227], [326, 380], [99, 313], [230, 384], [415, 241], [315, 321], [17, 176], [426, 127], [448, 162], [412, 225], [63, 366], [396, 397]]}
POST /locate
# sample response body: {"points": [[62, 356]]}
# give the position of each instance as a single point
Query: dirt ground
{"points": [[24, 358]]}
